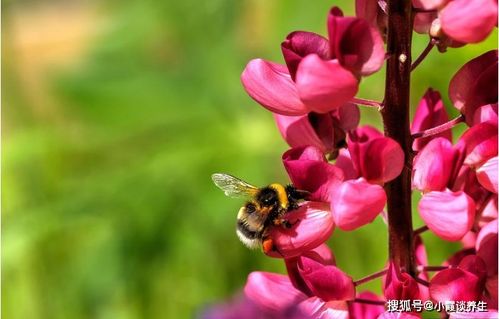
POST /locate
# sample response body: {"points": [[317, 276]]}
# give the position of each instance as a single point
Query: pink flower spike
{"points": [[469, 21], [312, 224], [366, 311], [308, 170], [325, 281], [299, 44], [272, 291], [448, 214], [485, 113], [297, 131], [357, 203], [271, 85], [487, 175], [400, 285], [464, 283], [377, 158], [479, 143], [434, 165], [324, 85], [429, 113], [355, 43]]}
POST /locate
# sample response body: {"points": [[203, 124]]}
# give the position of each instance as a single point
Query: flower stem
{"points": [[369, 302], [396, 123], [366, 102], [422, 282], [439, 129], [432, 268], [421, 10], [370, 277], [423, 54], [420, 230]]}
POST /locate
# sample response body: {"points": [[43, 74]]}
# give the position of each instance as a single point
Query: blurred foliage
{"points": [[115, 114]]}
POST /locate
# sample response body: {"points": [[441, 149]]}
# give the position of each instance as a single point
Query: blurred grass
{"points": [[115, 115]]}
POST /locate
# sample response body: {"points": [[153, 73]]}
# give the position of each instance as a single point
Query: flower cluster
{"points": [[344, 167]]}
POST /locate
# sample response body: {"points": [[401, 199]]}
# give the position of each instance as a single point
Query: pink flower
{"points": [[429, 113], [321, 75], [312, 224], [400, 285], [475, 85], [464, 283], [448, 214], [485, 113], [479, 144], [377, 158], [275, 293], [434, 165], [487, 174], [325, 131]]}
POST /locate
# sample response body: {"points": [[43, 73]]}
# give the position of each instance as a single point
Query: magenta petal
{"points": [[312, 224], [423, 21], [297, 131], [271, 85], [344, 162], [318, 309], [466, 77], [434, 165], [469, 21], [490, 314], [355, 43], [366, 311], [487, 231], [479, 143], [299, 44], [325, 281], [400, 285], [429, 113], [487, 174], [357, 203], [272, 291], [485, 113], [448, 214], [308, 172], [324, 85], [488, 252], [456, 285]]}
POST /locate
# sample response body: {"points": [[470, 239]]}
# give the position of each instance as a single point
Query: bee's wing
{"points": [[233, 186]]}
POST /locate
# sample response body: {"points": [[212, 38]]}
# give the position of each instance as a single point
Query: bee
{"points": [[265, 207]]}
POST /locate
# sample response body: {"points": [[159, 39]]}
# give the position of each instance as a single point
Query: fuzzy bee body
{"points": [[266, 206]]}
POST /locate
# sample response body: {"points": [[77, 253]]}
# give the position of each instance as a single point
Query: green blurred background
{"points": [[115, 114]]}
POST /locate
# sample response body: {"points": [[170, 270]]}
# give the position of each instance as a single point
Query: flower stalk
{"points": [[396, 124]]}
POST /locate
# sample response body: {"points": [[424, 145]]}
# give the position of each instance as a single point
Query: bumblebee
{"points": [[266, 206]]}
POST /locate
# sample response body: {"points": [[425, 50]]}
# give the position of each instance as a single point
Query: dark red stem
{"points": [[439, 129], [370, 277], [420, 230], [396, 123], [432, 268]]}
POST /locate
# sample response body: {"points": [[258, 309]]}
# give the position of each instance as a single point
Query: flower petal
{"points": [[318, 309], [469, 21], [326, 281], [324, 85], [271, 291], [297, 131], [434, 165], [448, 214], [428, 4], [357, 203], [271, 85], [355, 43], [312, 224], [400, 285], [308, 172], [299, 44], [466, 77], [344, 162], [479, 143], [487, 174], [490, 314], [485, 113], [429, 113], [398, 315]]}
